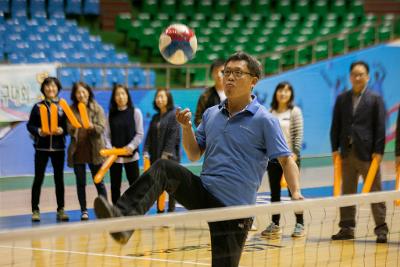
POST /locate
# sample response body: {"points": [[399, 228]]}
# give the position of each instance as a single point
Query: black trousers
{"points": [[41, 160], [227, 237], [132, 174], [80, 176], [274, 176]]}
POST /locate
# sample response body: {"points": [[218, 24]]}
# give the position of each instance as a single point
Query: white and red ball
{"points": [[178, 44]]}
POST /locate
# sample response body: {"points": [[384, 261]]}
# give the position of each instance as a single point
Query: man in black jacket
{"points": [[358, 136], [213, 95]]}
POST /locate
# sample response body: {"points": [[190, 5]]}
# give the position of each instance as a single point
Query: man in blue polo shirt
{"points": [[237, 138]]}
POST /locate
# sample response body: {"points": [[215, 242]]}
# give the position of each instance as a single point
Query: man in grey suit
{"points": [[358, 136]]}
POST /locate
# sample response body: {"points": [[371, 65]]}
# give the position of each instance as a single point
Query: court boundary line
{"points": [[103, 255]]}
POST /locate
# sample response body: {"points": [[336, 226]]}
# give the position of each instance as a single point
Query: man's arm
{"points": [[190, 145], [335, 130], [292, 174]]}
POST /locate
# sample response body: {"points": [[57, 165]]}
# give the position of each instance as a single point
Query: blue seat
{"points": [[73, 7], [18, 7], [37, 6], [40, 17], [149, 80], [114, 76], [17, 58], [136, 77], [68, 76], [55, 7], [5, 6], [121, 58], [91, 7], [37, 57], [1, 17], [93, 77]]}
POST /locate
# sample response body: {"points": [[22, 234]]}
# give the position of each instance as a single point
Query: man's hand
{"points": [[335, 154], [184, 118], [42, 134], [59, 131], [378, 157]]}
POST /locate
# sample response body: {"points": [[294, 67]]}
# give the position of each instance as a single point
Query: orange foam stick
{"points": [[84, 115], [104, 168], [283, 182], [44, 119], [337, 176], [114, 151], [53, 118], [370, 176], [146, 164], [161, 201], [71, 117], [397, 202]]}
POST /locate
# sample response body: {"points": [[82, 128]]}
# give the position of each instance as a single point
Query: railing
{"points": [[188, 69]]}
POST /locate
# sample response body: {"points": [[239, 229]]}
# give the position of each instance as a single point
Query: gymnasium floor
{"points": [[176, 247]]}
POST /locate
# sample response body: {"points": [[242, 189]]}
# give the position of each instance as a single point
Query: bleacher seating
{"points": [[28, 36], [257, 26]]}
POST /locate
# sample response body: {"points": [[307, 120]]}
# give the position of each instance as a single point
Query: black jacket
{"points": [[163, 136], [366, 128], [51, 142], [207, 99]]}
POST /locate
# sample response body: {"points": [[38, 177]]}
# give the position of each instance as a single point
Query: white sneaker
{"points": [[298, 230], [273, 231]]}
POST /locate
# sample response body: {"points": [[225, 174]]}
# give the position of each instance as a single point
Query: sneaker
{"points": [[298, 230], [104, 210], [272, 231], [84, 216], [35, 216], [344, 234], [62, 216], [382, 238]]}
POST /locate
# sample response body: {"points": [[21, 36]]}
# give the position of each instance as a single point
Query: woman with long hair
{"points": [[125, 130], [163, 137], [86, 144], [291, 121]]}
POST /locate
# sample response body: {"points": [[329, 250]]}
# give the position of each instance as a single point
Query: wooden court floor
{"points": [[189, 245]]}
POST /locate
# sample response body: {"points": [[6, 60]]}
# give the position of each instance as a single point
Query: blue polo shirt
{"points": [[237, 151]]}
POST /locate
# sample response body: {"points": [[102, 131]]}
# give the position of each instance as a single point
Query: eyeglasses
{"points": [[236, 73], [357, 75]]}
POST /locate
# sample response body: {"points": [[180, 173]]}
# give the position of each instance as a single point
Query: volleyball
{"points": [[178, 44]]}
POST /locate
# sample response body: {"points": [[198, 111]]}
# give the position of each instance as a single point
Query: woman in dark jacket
{"points": [[48, 146], [86, 144], [164, 137]]}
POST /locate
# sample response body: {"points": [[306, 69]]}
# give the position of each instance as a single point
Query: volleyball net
{"points": [[183, 239]]}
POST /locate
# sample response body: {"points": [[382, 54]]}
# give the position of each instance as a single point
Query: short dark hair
{"points": [[49, 80], [113, 105], [360, 62], [216, 64], [281, 85], [170, 104], [252, 63], [75, 87]]}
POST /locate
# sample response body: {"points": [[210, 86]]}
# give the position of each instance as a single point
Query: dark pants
{"points": [[274, 176], [57, 160], [80, 175], [132, 173], [352, 168], [227, 237]]}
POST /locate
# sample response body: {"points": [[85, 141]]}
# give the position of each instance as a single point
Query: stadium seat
{"points": [[68, 76], [55, 7], [37, 6], [73, 7], [168, 7], [187, 7], [91, 7], [4, 6], [284, 8]]}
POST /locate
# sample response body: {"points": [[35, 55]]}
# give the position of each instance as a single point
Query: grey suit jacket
{"points": [[365, 130]]}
